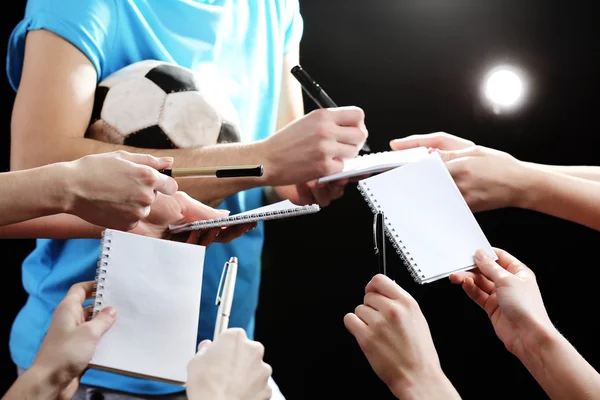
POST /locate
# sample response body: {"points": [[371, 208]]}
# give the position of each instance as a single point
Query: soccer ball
{"points": [[158, 105]]}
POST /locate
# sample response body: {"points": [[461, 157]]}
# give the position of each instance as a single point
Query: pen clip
{"points": [[375, 240], [220, 288]]}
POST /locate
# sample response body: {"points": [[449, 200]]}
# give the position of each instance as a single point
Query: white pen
{"points": [[225, 298]]}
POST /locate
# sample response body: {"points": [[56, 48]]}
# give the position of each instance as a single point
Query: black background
{"points": [[416, 66]]}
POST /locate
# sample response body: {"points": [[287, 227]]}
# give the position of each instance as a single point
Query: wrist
{"points": [[525, 186], [425, 385], [536, 342], [40, 383], [59, 196]]}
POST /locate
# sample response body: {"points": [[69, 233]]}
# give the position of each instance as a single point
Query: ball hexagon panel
{"points": [[189, 120], [133, 105]]}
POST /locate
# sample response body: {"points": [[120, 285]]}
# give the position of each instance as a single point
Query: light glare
{"points": [[503, 88]]}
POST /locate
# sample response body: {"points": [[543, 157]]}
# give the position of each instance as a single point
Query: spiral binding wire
{"points": [[390, 231], [98, 293], [236, 219]]}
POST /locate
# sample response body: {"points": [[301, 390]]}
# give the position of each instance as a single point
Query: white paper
{"points": [[155, 286], [429, 215], [376, 162]]}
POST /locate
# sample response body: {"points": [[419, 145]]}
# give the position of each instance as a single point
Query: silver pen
{"points": [[225, 297]]}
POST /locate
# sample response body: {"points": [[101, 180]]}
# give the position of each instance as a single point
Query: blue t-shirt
{"points": [[241, 43]]}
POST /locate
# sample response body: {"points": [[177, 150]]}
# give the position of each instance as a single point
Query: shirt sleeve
{"points": [[295, 25], [89, 25]]}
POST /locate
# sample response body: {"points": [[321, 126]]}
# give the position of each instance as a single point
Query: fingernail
{"points": [[224, 212], [110, 311], [167, 159], [481, 255]]}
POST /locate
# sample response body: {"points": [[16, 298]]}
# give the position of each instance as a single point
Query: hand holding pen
{"points": [[317, 94]]}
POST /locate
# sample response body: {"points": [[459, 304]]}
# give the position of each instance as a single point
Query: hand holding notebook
{"points": [[282, 209], [368, 164], [426, 218], [155, 286]]}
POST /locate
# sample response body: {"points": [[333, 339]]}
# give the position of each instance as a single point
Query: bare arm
{"points": [[53, 108], [291, 107], [559, 369], [60, 226], [563, 196], [578, 171]]}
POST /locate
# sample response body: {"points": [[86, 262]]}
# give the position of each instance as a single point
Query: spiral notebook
{"points": [[426, 218], [155, 286], [372, 163], [281, 209]]}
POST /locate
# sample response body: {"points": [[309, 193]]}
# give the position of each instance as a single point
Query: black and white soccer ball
{"points": [[158, 105]]}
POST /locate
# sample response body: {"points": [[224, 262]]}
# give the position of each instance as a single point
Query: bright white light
{"points": [[503, 87]]}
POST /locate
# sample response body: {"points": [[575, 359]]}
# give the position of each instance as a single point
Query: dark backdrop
{"points": [[416, 66]]}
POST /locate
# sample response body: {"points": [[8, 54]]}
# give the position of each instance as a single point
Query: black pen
{"points": [[235, 171], [316, 93]]}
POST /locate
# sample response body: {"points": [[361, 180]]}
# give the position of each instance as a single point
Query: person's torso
{"points": [[238, 43]]}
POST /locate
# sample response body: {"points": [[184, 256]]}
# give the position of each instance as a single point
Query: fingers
{"points": [[376, 301], [80, 292], [165, 184], [438, 140], [488, 267], [480, 280], [368, 315], [203, 345], [509, 262], [474, 292], [355, 325], [385, 286], [147, 159], [449, 155], [234, 231], [352, 136], [344, 150], [102, 321], [348, 116], [194, 210]]}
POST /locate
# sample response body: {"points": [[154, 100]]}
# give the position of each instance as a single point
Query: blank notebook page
{"points": [[155, 287], [427, 218]]}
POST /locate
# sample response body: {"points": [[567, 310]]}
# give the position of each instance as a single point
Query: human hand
{"points": [[508, 292], [394, 336], [116, 189], [231, 368], [488, 179], [71, 339], [180, 209], [314, 146], [321, 193], [436, 140]]}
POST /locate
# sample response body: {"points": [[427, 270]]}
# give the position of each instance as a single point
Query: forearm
{"points": [[60, 226], [559, 369], [207, 190], [579, 171], [563, 196], [33, 385], [32, 193], [426, 386]]}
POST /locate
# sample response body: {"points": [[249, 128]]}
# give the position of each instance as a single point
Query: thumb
{"points": [[203, 345], [165, 184], [489, 268], [194, 210], [102, 322]]}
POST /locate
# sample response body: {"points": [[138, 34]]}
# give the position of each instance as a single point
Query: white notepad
{"points": [[281, 209], [155, 286], [426, 218], [376, 162]]}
